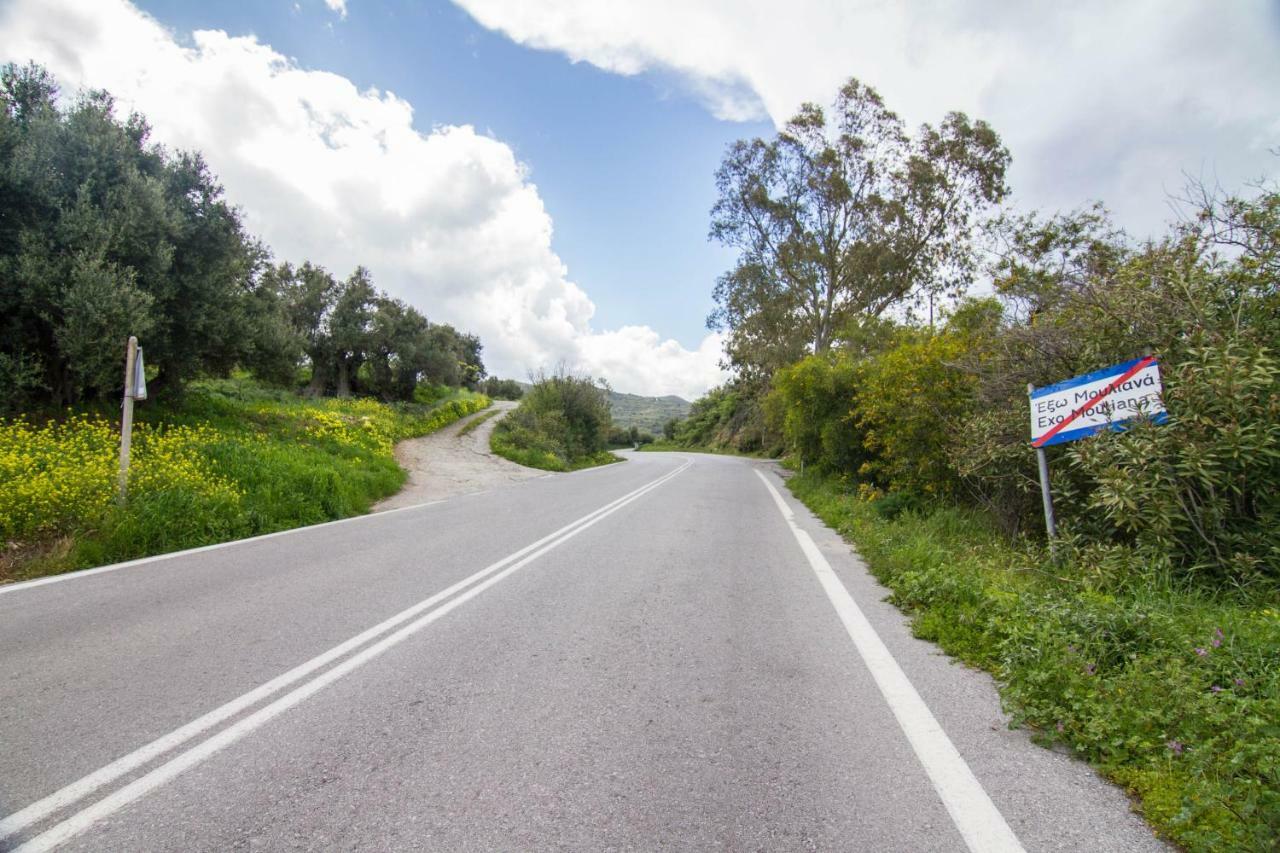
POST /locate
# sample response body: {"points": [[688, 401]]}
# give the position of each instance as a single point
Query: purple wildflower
{"points": [[1217, 637], [1201, 651], [1091, 668], [1175, 746], [1239, 682], [1215, 689]]}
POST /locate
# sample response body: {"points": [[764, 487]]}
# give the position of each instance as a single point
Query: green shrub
{"points": [[502, 389], [561, 424], [812, 406], [1200, 495], [730, 418], [909, 400], [895, 504]]}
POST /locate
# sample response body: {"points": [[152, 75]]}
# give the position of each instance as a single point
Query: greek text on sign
{"points": [[1104, 399]]}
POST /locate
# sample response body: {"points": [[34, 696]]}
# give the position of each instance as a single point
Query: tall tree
{"points": [[843, 216], [399, 350], [349, 327], [103, 235]]}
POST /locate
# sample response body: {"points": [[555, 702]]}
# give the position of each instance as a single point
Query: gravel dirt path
{"points": [[445, 463]]}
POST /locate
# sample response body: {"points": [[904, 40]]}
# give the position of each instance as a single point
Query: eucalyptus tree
{"points": [[845, 215]]}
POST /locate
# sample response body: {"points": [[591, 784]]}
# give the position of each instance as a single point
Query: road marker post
{"points": [[135, 388]]}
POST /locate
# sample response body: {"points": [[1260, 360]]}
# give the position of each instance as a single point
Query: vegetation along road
{"points": [[668, 652]]}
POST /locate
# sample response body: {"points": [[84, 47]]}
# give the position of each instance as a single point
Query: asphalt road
{"points": [[669, 653]]}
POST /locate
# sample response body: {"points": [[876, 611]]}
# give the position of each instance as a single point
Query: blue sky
{"points": [[540, 172], [624, 164]]}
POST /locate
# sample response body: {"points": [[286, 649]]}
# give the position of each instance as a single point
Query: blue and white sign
{"points": [[1104, 399]]}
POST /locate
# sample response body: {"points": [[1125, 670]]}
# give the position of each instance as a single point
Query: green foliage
{"points": [[230, 459], [844, 217], [628, 437], [812, 406], [942, 415], [647, 414], [358, 340], [502, 389], [1202, 494], [561, 424], [104, 235], [1172, 693], [729, 418], [910, 398]]}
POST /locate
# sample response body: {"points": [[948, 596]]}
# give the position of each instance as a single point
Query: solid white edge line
{"points": [[69, 794], [980, 823]]}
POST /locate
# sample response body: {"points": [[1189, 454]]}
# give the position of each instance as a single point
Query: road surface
{"points": [[668, 653]]}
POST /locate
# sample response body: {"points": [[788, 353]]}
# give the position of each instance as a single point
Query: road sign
{"points": [[1104, 399], [139, 378]]}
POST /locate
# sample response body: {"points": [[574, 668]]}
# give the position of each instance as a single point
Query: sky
{"points": [[540, 172]]}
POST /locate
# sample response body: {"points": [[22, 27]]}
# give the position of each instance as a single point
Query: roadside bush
{"points": [[943, 415], [910, 398], [562, 423], [812, 406], [1200, 495], [730, 418], [502, 389]]}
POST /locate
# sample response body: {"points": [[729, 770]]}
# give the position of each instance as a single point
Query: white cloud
{"points": [[339, 6], [447, 220], [1095, 99]]}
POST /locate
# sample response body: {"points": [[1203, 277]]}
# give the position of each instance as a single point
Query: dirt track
{"points": [[445, 464]]}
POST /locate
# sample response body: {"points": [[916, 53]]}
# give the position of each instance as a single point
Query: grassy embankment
{"points": [[231, 459], [1172, 693], [474, 423]]}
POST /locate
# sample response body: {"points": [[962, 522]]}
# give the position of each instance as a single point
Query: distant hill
{"points": [[646, 413], [643, 413]]}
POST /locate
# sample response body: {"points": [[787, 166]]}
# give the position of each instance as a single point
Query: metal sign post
{"points": [[1050, 523], [135, 388]]}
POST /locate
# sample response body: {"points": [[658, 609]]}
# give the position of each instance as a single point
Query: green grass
{"points": [[258, 460], [1172, 693], [501, 443], [475, 422]]}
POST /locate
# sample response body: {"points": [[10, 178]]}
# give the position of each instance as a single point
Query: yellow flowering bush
{"points": [[61, 476], [232, 459], [54, 475]]}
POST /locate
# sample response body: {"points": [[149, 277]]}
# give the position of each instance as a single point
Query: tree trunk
{"points": [[344, 378], [316, 387]]}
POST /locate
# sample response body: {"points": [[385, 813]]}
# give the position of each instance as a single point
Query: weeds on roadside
{"points": [[232, 459], [1171, 691]]}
